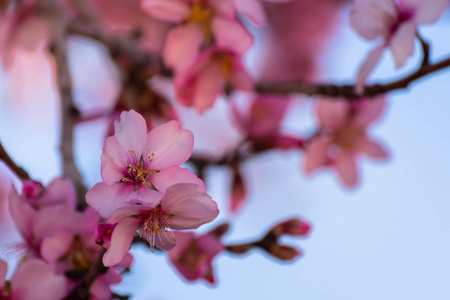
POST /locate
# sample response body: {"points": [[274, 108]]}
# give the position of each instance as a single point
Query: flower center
{"points": [[78, 257], [139, 171], [348, 136], [192, 258], [156, 229], [202, 14]]}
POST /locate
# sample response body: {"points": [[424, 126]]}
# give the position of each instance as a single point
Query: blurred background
{"points": [[386, 239]]}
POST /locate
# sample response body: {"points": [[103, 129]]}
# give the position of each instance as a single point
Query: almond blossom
{"points": [[206, 80], [201, 23], [193, 255], [344, 136], [32, 280], [138, 166], [65, 241], [183, 206], [395, 23]]}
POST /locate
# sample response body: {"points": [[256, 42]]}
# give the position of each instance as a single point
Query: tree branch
{"points": [[69, 112], [348, 91], [20, 172], [81, 291]]}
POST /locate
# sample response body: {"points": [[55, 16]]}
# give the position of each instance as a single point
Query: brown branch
{"points": [[69, 112], [20, 172], [348, 91], [81, 291]]}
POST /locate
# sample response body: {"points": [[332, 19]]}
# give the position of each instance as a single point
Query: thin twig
{"points": [[348, 91], [20, 172], [81, 291]]}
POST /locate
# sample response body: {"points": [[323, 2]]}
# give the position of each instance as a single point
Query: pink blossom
{"points": [[395, 23], [202, 23], [193, 255], [264, 117], [344, 127], [138, 166], [212, 72], [58, 191], [32, 280], [183, 206]]}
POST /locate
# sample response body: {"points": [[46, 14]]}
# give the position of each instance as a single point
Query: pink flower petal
{"points": [[189, 205], [184, 239], [402, 43], [114, 161], [123, 213], [253, 10], [209, 245], [54, 247], [3, 270], [61, 191], [371, 18], [425, 12], [33, 280], [164, 240], [332, 113], [121, 239], [316, 155], [63, 217], [173, 175], [346, 168], [230, 34], [182, 46], [131, 132], [209, 86], [105, 199], [167, 10], [240, 79], [373, 149], [22, 214], [171, 145], [367, 67], [370, 111]]}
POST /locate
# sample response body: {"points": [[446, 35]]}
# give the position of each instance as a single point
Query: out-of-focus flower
{"points": [[238, 191], [344, 125], [183, 206], [138, 166], [58, 191], [193, 255], [32, 280], [65, 241], [395, 23], [202, 23], [205, 81]]}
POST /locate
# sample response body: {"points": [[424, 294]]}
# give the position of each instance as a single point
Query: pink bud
{"points": [[294, 227], [238, 192], [32, 189]]}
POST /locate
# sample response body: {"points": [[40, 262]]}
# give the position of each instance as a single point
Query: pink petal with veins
{"points": [[131, 132], [173, 175], [171, 145], [114, 161], [189, 206], [121, 239]]}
